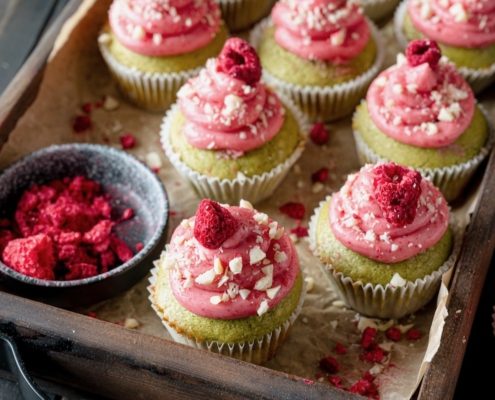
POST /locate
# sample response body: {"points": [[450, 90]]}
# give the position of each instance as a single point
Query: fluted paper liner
{"points": [[327, 102], [241, 14], [479, 79], [384, 301], [450, 180], [257, 351], [378, 9], [153, 91], [252, 188]]}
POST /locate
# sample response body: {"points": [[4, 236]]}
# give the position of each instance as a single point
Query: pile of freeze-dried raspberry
{"points": [[63, 230]]}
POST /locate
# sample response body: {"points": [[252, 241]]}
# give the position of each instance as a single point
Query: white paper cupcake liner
{"points": [[329, 102], [450, 180], [241, 14], [149, 90], [256, 351], [387, 301], [479, 79], [378, 9], [252, 188]]}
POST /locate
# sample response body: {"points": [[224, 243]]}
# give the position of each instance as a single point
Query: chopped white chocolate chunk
{"points": [[256, 255], [280, 256], [131, 323], [264, 283], [245, 204], [272, 292], [244, 293], [138, 33], [215, 300], [261, 218], [397, 280], [217, 266], [235, 265], [263, 308], [206, 278]]}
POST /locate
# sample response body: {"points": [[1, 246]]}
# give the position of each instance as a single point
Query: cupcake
{"points": [[423, 114], [464, 30], [229, 282], [378, 10], [321, 53], [241, 14], [384, 240], [153, 46], [229, 134]]}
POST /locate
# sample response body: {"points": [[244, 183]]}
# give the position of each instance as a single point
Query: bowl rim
{"points": [[136, 259]]}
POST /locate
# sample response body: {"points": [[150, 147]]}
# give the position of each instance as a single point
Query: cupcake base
{"points": [[252, 188], [256, 351], [479, 79], [384, 301], [242, 14], [450, 180], [330, 102]]}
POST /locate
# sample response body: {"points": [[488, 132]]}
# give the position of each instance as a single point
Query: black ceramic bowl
{"points": [[129, 184]]}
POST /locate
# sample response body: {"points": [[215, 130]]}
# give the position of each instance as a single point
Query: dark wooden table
{"points": [[23, 22]]}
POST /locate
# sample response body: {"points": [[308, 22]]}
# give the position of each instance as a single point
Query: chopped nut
{"points": [[235, 265]]}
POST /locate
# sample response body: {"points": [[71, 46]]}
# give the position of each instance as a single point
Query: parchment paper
{"points": [[76, 74]]}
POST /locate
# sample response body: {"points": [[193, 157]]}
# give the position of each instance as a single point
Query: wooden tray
{"points": [[111, 361]]}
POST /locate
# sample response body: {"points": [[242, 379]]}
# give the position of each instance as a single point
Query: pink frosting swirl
{"points": [[327, 30], [462, 23], [358, 222], [259, 268], [224, 113], [164, 27], [421, 106]]}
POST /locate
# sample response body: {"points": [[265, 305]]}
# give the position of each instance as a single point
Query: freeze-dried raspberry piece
{"points": [[368, 338], [213, 224], [239, 60], [320, 176], [83, 189], [365, 387], [319, 134], [69, 238], [5, 237], [374, 354], [99, 233], [340, 348], [300, 231], [293, 210], [107, 260], [127, 214], [81, 123], [123, 252], [128, 141], [423, 51], [413, 334], [329, 364], [394, 334], [335, 381], [32, 256], [397, 190], [80, 271]]}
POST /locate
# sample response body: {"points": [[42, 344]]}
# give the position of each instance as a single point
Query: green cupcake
{"points": [[477, 62], [151, 53], [231, 135], [238, 300], [324, 70], [382, 267], [240, 15]]}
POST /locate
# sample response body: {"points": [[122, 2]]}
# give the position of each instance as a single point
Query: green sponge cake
{"points": [[229, 282], [322, 54], [291, 68], [364, 269], [255, 162], [152, 48], [463, 149], [384, 239]]}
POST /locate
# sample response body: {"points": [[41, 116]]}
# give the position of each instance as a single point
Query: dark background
{"points": [[22, 23]]}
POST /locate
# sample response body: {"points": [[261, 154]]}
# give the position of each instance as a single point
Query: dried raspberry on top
{"points": [[213, 224], [397, 190], [423, 51], [239, 60]]}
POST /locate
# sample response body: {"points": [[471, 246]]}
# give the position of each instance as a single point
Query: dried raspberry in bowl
{"points": [[63, 230]]}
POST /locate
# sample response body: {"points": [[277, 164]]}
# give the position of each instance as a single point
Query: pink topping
{"points": [[164, 27], [249, 274], [327, 30], [226, 113], [359, 221], [420, 105], [462, 23]]}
